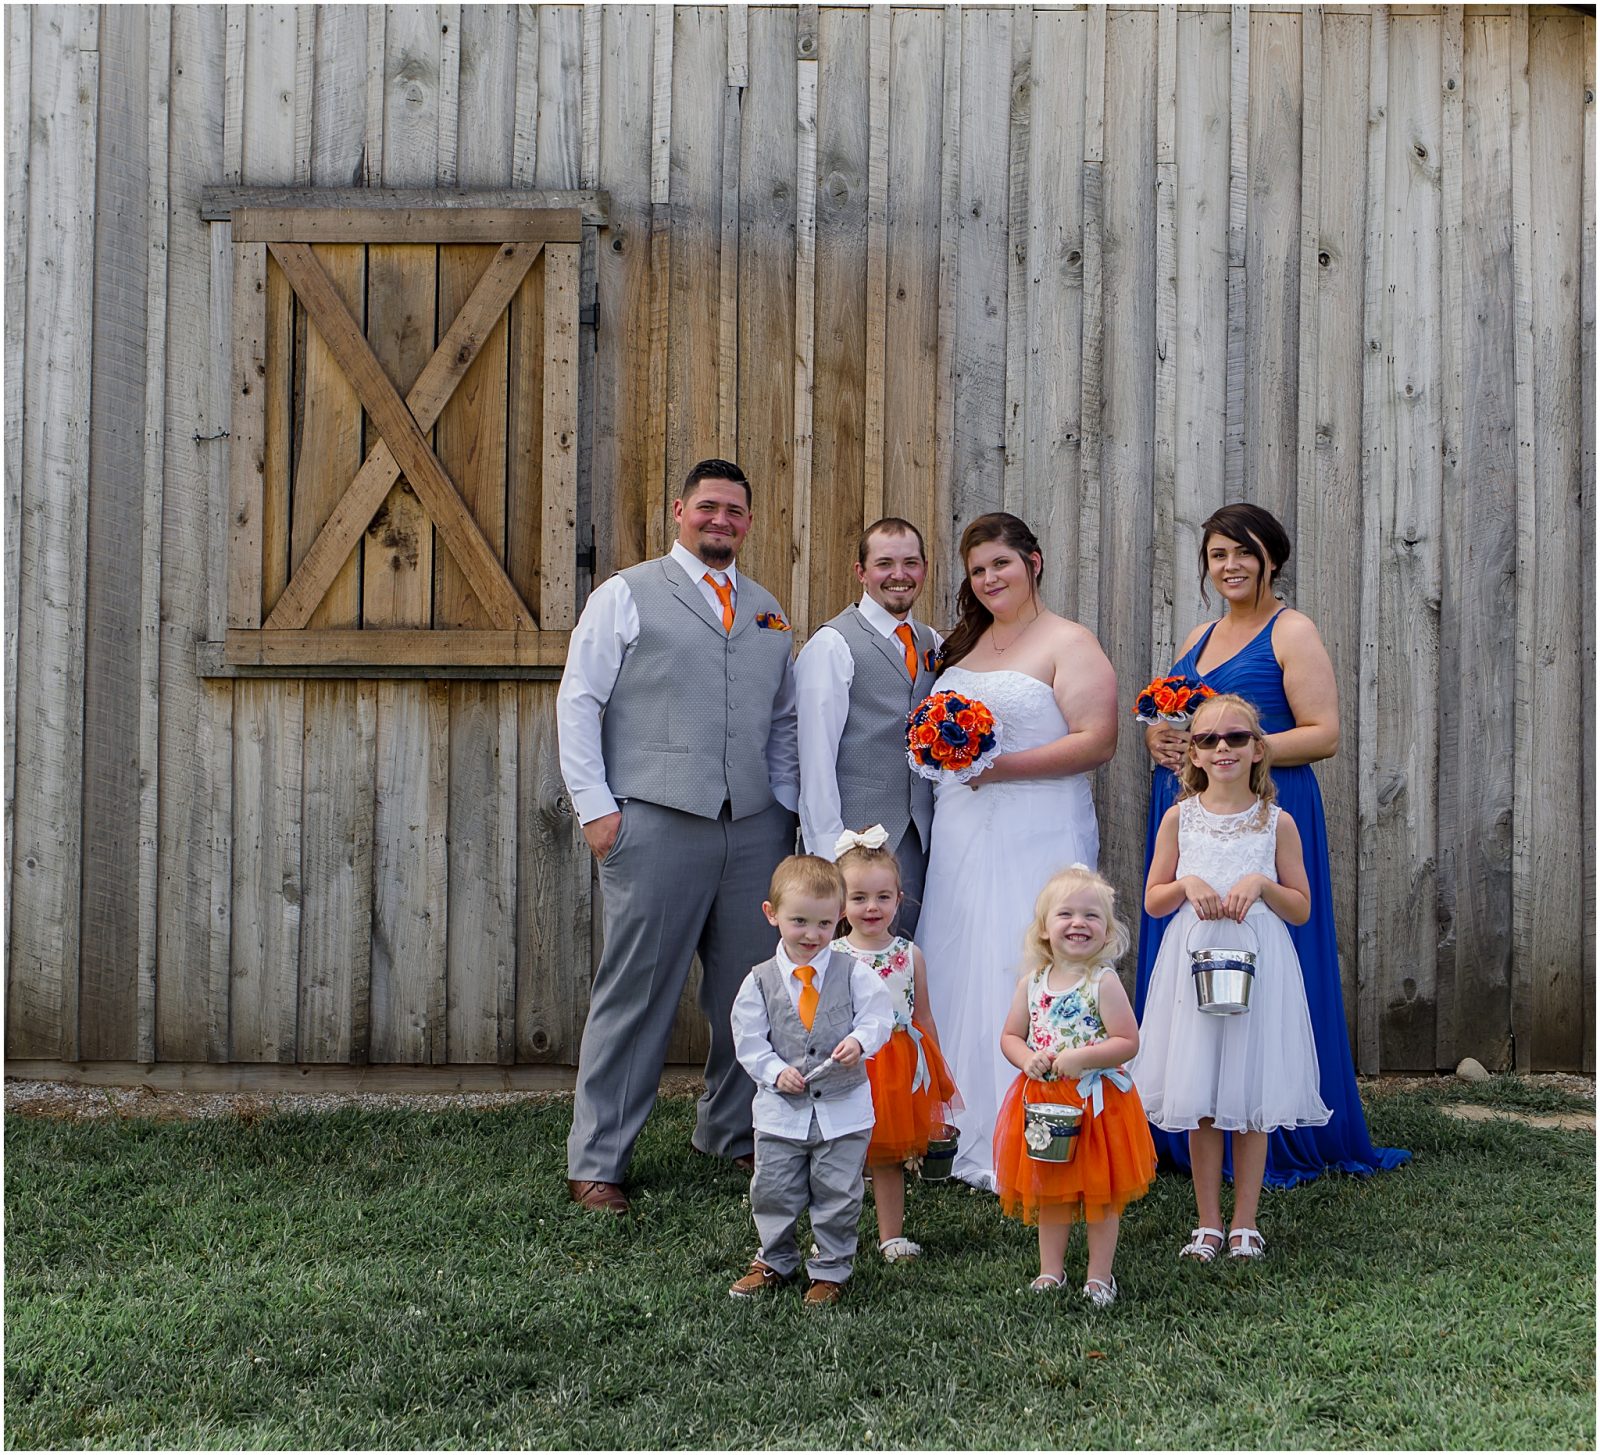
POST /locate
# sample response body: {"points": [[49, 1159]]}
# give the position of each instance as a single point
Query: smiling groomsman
{"points": [[677, 736], [857, 679]]}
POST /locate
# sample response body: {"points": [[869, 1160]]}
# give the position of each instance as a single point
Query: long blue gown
{"points": [[1301, 1154]]}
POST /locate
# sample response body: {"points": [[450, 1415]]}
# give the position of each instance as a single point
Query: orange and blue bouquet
{"points": [[951, 737], [1173, 700]]}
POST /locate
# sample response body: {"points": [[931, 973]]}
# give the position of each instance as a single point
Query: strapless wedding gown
{"points": [[993, 849]]}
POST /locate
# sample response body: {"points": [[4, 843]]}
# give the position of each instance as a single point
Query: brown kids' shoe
{"points": [[759, 1280], [821, 1293]]}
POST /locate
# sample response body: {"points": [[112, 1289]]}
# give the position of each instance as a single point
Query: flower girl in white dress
{"points": [[1225, 851]]}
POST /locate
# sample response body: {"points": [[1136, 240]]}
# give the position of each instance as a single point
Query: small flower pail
{"points": [[941, 1154], [1050, 1130], [1223, 975]]}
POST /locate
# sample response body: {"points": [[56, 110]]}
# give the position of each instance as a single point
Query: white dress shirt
{"points": [[790, 1116], [603, 636], [823, 673]]}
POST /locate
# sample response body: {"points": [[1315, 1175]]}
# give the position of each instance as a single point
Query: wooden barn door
{"points": [[404, 488]]}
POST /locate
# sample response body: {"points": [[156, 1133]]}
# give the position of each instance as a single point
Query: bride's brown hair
{"points": [[973, 617]]}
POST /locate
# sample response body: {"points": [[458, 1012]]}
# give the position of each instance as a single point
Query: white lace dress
{"points": [[993, 849], [1253, 1072]]}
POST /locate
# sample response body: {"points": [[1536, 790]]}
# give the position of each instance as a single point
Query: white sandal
{"points": [[895, 1250], [1197, 1247], [1100, 1294], [1046, 1283], [1250, 1245]]}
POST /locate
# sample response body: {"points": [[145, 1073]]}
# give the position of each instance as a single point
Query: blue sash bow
{"points": [[1092, 1090], [921, 1077]]}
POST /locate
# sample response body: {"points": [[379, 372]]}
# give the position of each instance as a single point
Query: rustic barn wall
{"points": [[1108, 268]]}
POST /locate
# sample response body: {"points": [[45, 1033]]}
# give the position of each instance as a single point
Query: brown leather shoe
{"points": [[822, 1293], [760, 1279], [598, 1196]]}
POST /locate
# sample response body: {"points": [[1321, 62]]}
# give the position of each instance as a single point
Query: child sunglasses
{"points": [[1236, 739]]}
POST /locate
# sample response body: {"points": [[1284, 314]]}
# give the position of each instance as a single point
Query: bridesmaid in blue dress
{"points": [[1272, 656]]}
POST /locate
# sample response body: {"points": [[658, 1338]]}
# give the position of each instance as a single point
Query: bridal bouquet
{"points": [[1172, 700], [951, 737]]}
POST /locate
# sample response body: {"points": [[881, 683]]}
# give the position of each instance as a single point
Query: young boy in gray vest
{"points": [[803, 1023]]}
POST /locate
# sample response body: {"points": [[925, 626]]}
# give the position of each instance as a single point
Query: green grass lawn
{"points": [[418, 1279]]}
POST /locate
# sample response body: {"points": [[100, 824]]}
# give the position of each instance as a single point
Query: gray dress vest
{"points": [[876, 785], [836, 1015], [690, 714]]}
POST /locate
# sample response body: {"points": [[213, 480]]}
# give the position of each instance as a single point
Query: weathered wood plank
{"points": [[407, 224], [108, 976], [1586, 474], [194, 770], [1329, 509], [1272, 264], [247, 430], [658, 488], [409, 929], [330, 452], [263, 998], [339, 96], [767, 308], [336, 846], [396, 647], [558, 154], [42, 1003], [1201, 222], [471, 441], [1452, 789], [481, 954], [1560, 740], [1234, 485], [911, 367], [525, 450], [728, 247], [839, 366], [1128, 402], [554, 899], [19, 64], [807, 83], [559, 471], [1374, 320], [879, 29], [486, 130], [158, 119], [449, 92], [622, 387], [1086, 608], [525, 139], [1018, 231], [979, 359], [410, 92], [219, 203], [1164, 456]]}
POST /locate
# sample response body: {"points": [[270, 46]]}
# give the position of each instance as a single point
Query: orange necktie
{"points": [[805, 974], [724, 592], [909, 643]]}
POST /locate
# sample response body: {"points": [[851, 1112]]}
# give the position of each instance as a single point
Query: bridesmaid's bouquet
{"points": [[1171, 700], [951, 737]]}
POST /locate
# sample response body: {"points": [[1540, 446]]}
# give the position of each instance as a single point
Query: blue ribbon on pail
{"points": [[1090, 1086]]}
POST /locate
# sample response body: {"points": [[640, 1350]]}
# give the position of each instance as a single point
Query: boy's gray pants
{"points": [[825, 1176]]}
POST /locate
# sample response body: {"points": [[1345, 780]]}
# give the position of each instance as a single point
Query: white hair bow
{"points": [[873, 838]]}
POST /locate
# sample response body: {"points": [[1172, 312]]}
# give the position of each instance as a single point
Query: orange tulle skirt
{"points": [[1115, 1162], [905, 1117]]}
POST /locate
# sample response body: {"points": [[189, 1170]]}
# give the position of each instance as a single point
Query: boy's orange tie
{"points": [[805, 974], [724, 592], [909, 643]]}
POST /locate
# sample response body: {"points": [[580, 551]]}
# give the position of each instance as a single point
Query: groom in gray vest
{"points": [[676, 719], [858, 677]]}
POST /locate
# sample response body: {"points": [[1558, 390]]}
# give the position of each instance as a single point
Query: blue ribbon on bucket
{"points": [[1091, 1089]]}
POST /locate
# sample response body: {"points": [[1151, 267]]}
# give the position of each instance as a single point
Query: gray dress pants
{"points": [[675, 885], [912, 856], [824, 1176]]}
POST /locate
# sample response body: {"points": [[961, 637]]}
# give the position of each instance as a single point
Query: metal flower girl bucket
{"points": [[941, 1154], [1050, 1130], [1223, 975]]}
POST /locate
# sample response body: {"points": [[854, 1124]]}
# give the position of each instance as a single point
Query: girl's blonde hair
{"points": [[1192, 778], [1036, 951]]}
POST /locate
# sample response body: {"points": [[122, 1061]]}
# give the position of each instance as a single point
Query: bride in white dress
{"points": [[997, 839]]}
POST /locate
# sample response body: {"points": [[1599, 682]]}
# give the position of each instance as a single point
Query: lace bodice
{"points": [[1059, 1020], [1222, 848], [896, 967], [1023, 705]]}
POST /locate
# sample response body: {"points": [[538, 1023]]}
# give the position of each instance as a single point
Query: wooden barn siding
{"points": [[1105, 268]]}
